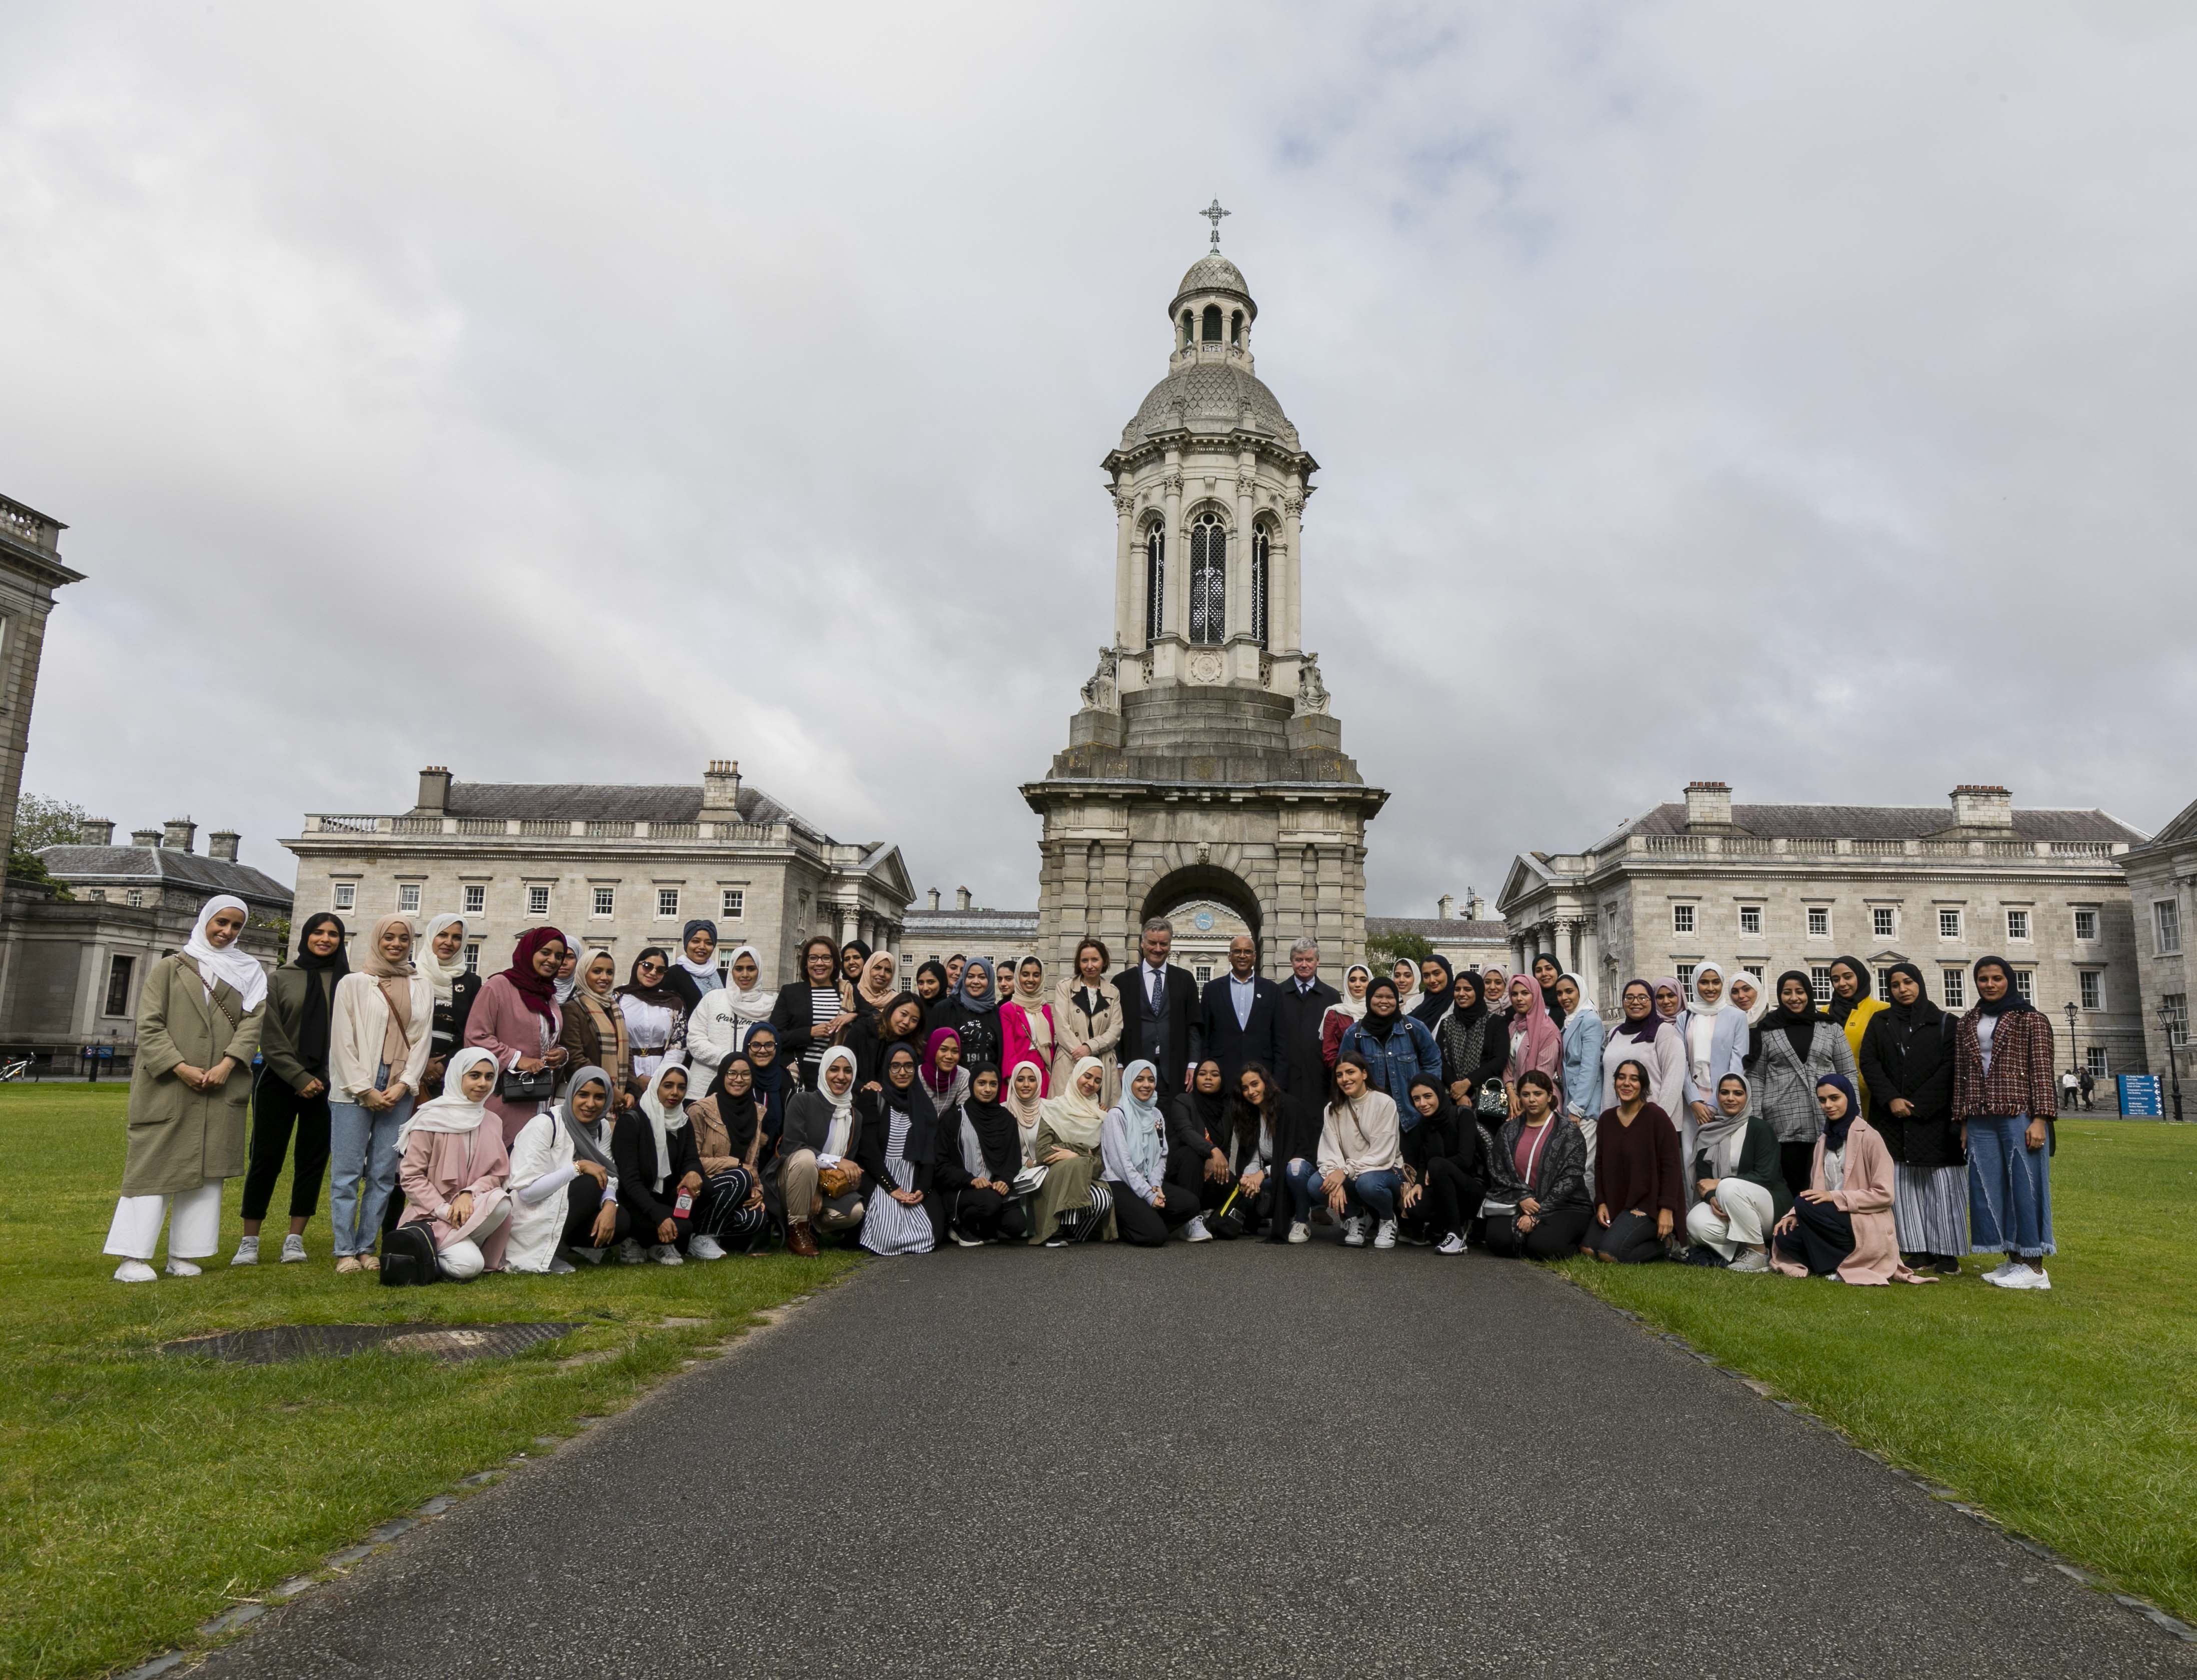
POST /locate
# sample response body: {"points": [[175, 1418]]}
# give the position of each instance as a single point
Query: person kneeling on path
{"points": [[979, 1154], [1444, 1170], [898, 1152], [820, 1182], [1842, 1226], [1737, 1175], [1537, 1205], [1360, 1168], [1148, 1203], [454, 1170], [1637, 1171], [564, 1182], [659, 1173]]}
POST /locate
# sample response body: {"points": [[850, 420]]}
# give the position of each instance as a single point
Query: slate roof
{"points": [[1882, 822], [2182, 827], [1455, 929], [161, 866], [602, 801]]}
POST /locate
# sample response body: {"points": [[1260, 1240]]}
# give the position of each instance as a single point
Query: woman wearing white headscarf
{"points": [[1073, 1205], [1736, 1179], [721, 1021], [199, 1015], [819, 1178], [1344, 1013], [455, 1170], [1716, 1041], [441, 961], [377, 1043], [1147, 1204], [564, 1181], [1581, 1086]]}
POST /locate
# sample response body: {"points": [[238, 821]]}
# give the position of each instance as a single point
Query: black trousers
{"points": [[986, 1213], [1137, 1221], [1554, 1234], [1630, 1239], [277, 1111], [1798, 1160], [1450, 1198], [1822, 1236], [583, 1200]]}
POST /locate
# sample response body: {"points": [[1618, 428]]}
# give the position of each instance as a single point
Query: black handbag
{"points": [[408, 1257], [538, 1087], [1493, 1101]]}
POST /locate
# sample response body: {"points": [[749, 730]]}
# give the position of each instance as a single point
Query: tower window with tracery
{"points": [[1155, 581], [1259, 572], [1208, 579]]}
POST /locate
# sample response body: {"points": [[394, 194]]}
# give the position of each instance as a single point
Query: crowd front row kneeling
{"points": [[551, 1116]]}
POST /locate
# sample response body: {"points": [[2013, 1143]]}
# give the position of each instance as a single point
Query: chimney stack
{"points": [[222, 843], [1708, 805], [934, 898], [94, 831], [181, 832], [145, 836], [960, 898], [1444, 907], [1977, 806], [1475, 907], [720, 790], [434, 792]]}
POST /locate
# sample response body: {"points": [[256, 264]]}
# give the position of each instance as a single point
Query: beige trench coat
{"points": [[180, 1137]]}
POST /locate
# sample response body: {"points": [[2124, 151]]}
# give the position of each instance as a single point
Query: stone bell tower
{"points": [[1206, 762]]}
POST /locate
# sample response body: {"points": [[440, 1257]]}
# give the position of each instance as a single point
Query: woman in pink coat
{"points": [[1027, 1031], [517, 1021], [454, 1167], [1841, 1226]]}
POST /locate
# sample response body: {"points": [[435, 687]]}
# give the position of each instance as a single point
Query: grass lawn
{"points": [[2072, 1416], [140, 1495]]}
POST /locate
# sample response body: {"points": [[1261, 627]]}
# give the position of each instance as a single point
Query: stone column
{"points": [[1240, 550], [1177, 621], [1128, 589], [1285, 594]]}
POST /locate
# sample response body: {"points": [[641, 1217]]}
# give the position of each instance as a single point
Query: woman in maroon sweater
{"points": [[1636, 1171]]}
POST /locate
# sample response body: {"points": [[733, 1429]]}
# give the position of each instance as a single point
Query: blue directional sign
{"points": [[2140, 1096]]}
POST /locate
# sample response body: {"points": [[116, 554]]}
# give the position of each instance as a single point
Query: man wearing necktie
{"points": [[1159, 1008]]}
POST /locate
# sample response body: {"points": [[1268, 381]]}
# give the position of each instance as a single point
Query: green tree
{"points": [[42, 822], [1385, 948]]}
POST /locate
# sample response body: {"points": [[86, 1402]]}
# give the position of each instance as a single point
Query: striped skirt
{"points": [[1930, 1209]]}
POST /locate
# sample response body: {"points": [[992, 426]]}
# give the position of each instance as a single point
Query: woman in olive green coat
{"points": [[198, 1029]]}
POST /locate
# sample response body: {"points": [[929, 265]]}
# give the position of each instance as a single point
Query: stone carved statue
{"points": [[1100, 694], [1312, 693]]}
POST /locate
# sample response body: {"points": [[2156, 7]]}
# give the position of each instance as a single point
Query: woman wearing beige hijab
{"points": [[380, 1023]]}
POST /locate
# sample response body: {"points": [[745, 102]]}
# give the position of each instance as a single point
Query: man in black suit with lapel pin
{"points": [[1240, 1018], [1159, 1009], [1306, 1000]]}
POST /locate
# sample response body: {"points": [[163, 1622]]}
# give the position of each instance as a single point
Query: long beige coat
{"points": [[1105, 1034], [180, 1137]]}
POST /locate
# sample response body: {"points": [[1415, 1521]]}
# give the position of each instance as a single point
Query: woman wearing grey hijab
{"points": [[564, 1186], [1737, 1176]]}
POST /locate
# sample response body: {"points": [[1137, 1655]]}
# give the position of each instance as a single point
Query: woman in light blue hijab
{"points": [[1133, 1144]]}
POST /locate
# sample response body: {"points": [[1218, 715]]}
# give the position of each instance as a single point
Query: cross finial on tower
{"points": [[1212, 213]]}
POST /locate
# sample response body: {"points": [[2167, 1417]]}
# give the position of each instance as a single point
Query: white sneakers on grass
{"points": [[2019, 1275], [667, 1253], [247, 1252], [134, 1271], [705, 1248], [1750, 1259], [293, 1250]]}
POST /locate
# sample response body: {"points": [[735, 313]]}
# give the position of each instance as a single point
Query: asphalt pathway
{"points": [[1237, 1459]]}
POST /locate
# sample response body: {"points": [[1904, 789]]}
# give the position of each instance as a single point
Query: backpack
{"points": [[408, 1257]]}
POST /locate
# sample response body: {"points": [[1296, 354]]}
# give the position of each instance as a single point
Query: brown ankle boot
{"points": [[800, 1240]]}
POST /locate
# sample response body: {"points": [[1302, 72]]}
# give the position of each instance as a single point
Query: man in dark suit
{"points": [[1305, 1001], [1236, 1021], [1159, 1009]]}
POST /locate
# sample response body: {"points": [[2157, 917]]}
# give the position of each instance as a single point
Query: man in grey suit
{"points": [[1159, 1009]]}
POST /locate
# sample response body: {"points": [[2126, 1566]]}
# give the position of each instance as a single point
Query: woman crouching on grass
{"points": [[1842, 1226], [564, 1181], [454, 1170]]}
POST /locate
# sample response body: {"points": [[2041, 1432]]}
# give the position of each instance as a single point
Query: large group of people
{"points": [[553, 1116]]}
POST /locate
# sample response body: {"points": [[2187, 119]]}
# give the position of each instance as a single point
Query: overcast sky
{"points": [[1796, 395]]}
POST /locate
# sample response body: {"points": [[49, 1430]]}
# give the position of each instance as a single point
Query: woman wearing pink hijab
{"points": [[1536, 1044]]}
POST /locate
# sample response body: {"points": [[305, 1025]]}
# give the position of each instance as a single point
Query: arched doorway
{"points": [[1204, 892]]}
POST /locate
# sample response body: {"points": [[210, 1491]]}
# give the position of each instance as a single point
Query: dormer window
{"points": [[1211, 324]]}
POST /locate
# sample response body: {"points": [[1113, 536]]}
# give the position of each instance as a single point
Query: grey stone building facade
{"points": [[31, 569], [618, 867], [1205, 765], [1778, 887], [73, 967], [965, 927], [2162, 880], [1473, 940]]}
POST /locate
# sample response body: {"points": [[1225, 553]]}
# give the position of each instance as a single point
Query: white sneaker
{"points": [[629, 1254], [706, 1248], [293, 1250], [1750, 1261], [2039, 1279], [559, 1266], [247, 1252], [2006, 1269], [1195, 1232], [1353, 1231], [666, 1254], [181, 1268], [1450, 1244], [2012, 1276], [1300, 1232], [134, 1271], [1385, 1236]]}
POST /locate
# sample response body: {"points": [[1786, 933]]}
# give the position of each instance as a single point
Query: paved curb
{"points": [[2170, 1625]]}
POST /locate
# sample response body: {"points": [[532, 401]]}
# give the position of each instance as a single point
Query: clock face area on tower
{"points": [[1205, 762]]}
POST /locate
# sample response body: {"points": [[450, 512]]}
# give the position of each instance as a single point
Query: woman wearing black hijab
{"points": [[1546, 974], [292, 1090], [1395, 1046], [1795, 1048], [932, 992], [1435, 977], [1198, 1136], [1474, 1047], [1907, 1070], [980, 1151], [1444, 1170]]}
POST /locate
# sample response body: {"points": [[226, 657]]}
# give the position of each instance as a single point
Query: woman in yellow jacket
{"points": [[1851, 1008]]}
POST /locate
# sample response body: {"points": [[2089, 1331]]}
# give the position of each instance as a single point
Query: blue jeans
{"points": [[1373, 1194], [2010, 1189], [362, 1157], [1303, 1179]]}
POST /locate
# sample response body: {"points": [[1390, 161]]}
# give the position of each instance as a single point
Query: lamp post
{"points": [[2074, 1046], [2167, 1024]]}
